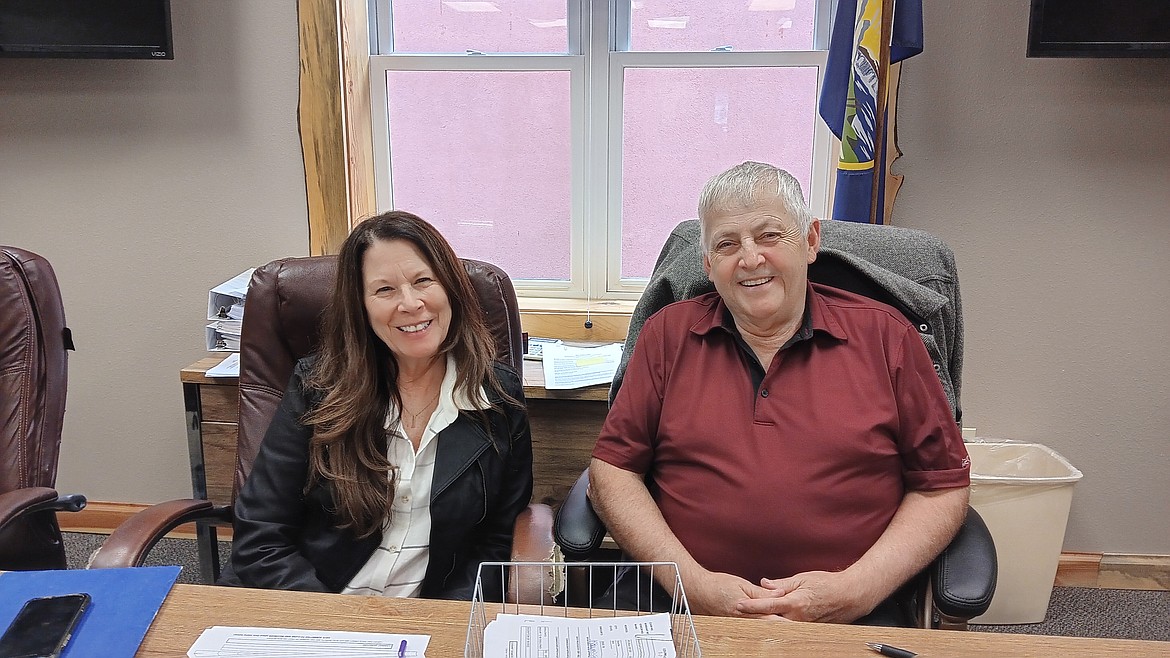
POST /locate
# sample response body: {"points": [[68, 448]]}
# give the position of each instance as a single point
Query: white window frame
{"points": [[596, 115]]}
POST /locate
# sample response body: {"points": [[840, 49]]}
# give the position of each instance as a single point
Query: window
{"points": [[562, 140]]}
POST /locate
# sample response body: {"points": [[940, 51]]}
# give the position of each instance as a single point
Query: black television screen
{"points": [[1099, 28], [99, 29]]}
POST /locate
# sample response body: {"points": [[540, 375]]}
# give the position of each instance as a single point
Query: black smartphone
{"points": [[43, 626]]}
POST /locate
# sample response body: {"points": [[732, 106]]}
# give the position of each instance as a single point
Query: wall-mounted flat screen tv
{"points": [[1099, 28], [86, 29]]}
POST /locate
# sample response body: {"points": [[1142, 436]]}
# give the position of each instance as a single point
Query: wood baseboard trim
{"points": [[1105, 570], [1114, 571], [1078, 569], [101, 518]]}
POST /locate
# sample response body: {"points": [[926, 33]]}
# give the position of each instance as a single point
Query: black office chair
{"points": [[872, 261]]}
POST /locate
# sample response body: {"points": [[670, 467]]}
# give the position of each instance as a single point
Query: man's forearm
{"points": [[923, 526], [622, 501]]}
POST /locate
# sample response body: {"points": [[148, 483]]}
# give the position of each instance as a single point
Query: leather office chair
{"points": [[281, 325], [33, 374], [873, 261]]}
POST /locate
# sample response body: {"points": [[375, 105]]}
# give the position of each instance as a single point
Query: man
{"points": [[787, 444]]}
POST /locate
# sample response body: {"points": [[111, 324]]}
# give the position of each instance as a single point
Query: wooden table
{"points": [[191, 608]]}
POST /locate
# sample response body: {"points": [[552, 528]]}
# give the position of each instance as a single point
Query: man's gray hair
{"points": [[749, 183]]}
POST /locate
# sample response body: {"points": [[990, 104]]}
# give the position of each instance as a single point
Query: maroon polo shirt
{"points": [[803, 474]]}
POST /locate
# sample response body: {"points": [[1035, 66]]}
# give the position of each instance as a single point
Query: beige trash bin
{"points": [[1023, 491]]}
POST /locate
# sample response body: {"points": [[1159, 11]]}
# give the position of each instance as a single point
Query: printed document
{"points": [[566, 366], [229, 367], [538, 636], [246, 642]]}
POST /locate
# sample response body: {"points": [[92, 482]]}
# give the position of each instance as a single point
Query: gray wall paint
{"points": [[148, 182], [1051, 180], [145, 183]]}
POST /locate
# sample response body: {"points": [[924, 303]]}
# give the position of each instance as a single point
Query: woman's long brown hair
{"points": [[357, 375]]}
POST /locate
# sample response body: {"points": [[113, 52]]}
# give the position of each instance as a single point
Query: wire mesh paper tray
{"points": [[573, 589]]}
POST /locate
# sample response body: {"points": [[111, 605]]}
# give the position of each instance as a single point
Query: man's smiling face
{"points": [[758, 259]]}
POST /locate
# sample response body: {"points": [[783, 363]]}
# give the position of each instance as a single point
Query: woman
{"points": [[400, 455]]}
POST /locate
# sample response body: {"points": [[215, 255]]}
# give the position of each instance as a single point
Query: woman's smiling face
{"points": [[405, 304]]}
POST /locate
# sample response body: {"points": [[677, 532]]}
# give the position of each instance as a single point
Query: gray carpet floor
{"points": [[1072, 611], [182, 552]]}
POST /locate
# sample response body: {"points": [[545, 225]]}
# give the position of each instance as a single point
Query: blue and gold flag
{"points": [[848, 102]]}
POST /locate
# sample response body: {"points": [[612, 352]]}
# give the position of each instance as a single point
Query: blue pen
{"points": [[402, 649]]}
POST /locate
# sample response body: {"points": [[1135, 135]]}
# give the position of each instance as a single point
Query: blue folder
{"points": [[124, 603]]}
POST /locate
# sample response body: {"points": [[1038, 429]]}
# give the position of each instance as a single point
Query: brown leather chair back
{"points": [[281, 324], [33, 371]]}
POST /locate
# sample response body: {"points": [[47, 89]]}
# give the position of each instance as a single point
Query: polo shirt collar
{"points": [[818, 317], [824, 318]]}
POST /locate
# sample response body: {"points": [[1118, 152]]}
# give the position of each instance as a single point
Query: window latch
{"points": [[722, 49], [474, 52]]}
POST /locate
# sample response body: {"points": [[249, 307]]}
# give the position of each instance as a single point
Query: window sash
{"points": [[823, 164], [597, 74], [574, 64]]}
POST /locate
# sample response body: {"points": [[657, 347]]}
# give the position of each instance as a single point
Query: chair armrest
{"points": [[963, 576], [31, 500], [577, 528], [130, 543], [532, 541]]}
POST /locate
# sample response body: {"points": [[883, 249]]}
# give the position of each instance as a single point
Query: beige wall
{"points": [[148, 182], [145, 183], [1051, 180]]}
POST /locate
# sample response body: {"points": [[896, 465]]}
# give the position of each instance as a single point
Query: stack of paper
{"points": [[225, 313], [538, 636], [224, 335], [566, 366], [229, 367]]}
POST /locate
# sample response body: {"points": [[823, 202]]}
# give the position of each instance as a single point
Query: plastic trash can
{"points": [[1023, 491]]}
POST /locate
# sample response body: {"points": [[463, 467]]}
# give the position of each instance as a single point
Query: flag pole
{"points": [[880, 105]]}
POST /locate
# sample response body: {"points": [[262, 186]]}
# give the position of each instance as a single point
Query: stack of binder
{"points": [[225, 313]]}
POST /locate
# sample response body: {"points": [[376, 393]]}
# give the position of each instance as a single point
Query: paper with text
{"points": [[229, 367], [244, 642], [537, 636], [566, 366]]}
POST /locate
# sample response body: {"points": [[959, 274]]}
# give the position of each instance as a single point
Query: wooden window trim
{"points": [[333, 115], [337, 145], [334, 119]]}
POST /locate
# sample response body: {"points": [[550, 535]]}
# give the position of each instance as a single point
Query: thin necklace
{"points": [[414, 416]]}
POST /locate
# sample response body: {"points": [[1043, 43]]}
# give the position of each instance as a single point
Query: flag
{"points": [[848, 102]]}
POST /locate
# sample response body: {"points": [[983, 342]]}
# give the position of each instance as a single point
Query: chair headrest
{"points": [[282, 319]]}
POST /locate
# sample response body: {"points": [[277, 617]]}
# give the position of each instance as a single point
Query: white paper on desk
{"points": [[245, 642], [229, 367], [537, 636], [566, 366]]}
